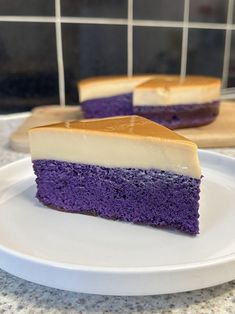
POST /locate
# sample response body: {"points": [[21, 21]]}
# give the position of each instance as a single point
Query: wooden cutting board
{"points": [[220, 133], [41, 116]]}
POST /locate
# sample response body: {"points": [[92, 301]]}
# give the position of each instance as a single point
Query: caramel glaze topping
{"points": [[174, 81], [114, 78], [126, 125]]}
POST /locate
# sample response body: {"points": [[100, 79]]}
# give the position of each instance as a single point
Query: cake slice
{"points": [[178, 103], [108, 96], [123, 168], [170, 100]]}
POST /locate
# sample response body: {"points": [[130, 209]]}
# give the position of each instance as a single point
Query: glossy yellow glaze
{"points": [[174, 81], [112, 78], [154, 80], [126, 125]]}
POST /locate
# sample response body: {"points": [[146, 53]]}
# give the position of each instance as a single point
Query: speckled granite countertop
{"points": [[19, 296]]}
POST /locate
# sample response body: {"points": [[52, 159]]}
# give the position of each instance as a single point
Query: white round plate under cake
{"points": [[89, 254]]}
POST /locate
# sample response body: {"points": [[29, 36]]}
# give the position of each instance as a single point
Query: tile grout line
{"points": [[184, 49], [35, 19], [227, 46], [93, 20], [130, 39], [173, 24], [59, 49], [115, 21]]}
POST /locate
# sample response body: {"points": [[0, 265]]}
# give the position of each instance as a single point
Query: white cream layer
{"points": [[108, 87], [115, 151], [158, 96], [153, 90]]}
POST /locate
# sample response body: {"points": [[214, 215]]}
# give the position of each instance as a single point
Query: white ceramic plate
{"points": [[13, 116], [93, 255]]}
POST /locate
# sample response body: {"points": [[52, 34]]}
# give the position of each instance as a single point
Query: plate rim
{"points": [[13, 116]]}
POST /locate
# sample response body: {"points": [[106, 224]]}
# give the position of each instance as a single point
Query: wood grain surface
{"points": [[42, 116], [220, 133]]}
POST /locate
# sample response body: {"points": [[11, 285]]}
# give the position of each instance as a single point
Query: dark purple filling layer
{"points": [[173, 117], [120, 105], [150, 197], [180, 116]]}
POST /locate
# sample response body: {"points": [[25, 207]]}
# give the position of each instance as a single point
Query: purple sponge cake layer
{"points": [[150, 197], [173, 117], [180, 116], [108, 107]]}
